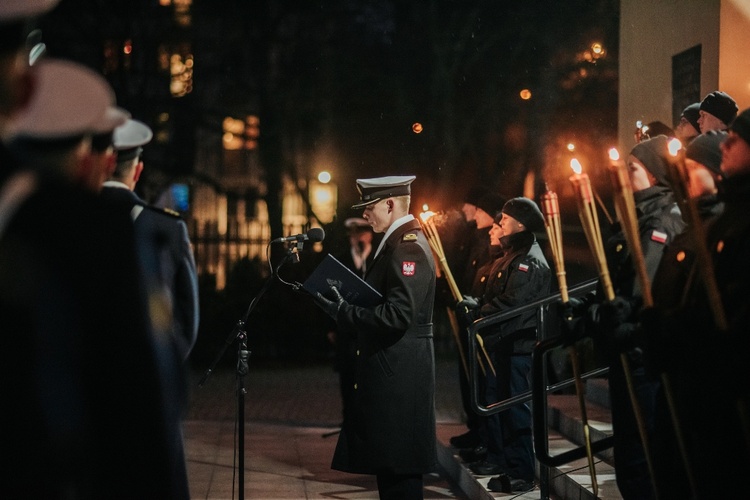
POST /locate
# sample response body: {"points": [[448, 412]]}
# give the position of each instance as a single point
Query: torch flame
{"points": [[426, 215], [614, 155], [674, 146], [576, 166]]}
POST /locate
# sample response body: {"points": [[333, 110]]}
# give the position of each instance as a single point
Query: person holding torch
{"points": [[519, 275], [665, 347], [708, 346], [614, 324]]}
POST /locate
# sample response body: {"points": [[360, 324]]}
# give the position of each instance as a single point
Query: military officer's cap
{"points": [[14, 15], [379, 188], [355, 224], [69, 101], [130, 138], [22, 9]]}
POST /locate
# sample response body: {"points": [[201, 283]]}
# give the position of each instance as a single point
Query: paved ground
{"points": [[291, 416]]}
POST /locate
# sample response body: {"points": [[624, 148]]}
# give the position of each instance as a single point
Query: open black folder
{"points": [[353, 288]]}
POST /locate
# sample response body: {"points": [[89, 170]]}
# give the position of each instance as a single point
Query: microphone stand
{"points": [[238, 333]]}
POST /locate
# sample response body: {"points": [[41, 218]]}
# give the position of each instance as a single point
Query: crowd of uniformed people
{"points": [[99, 302]]}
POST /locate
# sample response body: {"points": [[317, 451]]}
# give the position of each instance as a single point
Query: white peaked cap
{"points": [[11, 10], [132, 134], [68, 100], [130, 138], [113, 118]]}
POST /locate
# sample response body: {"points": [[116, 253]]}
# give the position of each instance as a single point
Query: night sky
{"points": [[340, 83]]}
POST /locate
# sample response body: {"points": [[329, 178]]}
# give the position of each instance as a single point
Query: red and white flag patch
{"points": [[658, 236], [408, 268], [523, 267]]}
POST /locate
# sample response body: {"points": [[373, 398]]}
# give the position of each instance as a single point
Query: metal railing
{"points": [[540, 386]]}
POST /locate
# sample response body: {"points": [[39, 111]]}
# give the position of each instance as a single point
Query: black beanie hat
{"points": [[526, 212], [692, 113], [741, 125], [720, 105], [654, 155], [474, 195], [705, 149], [491, 203], [659, 128]]}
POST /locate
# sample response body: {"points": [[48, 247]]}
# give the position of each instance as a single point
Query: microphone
{"points": [[314, 234]]}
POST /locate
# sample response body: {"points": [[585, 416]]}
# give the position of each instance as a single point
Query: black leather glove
{"points": [[467, 310], [569, 313], [468, 302], [613, 314], [617, 327], [331, 307]]}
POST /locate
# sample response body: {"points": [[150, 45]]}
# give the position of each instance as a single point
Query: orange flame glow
{"points": [[576, 166]]}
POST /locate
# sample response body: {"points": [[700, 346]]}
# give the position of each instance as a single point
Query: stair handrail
{"points": [[539, 386]]}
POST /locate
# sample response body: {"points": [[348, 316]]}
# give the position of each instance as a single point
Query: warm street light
{"points": [[323, 195]]}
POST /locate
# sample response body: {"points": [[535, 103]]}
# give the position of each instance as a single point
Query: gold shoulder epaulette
{"points": [[409, 237], [165, 211]]}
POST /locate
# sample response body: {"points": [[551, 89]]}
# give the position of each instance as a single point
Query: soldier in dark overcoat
{"points": [[392, 432]]}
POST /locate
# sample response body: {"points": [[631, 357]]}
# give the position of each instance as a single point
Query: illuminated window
{"points": [[182, 14], [240, 134], [181, 71]]}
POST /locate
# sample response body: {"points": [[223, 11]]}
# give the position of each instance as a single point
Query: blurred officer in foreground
{"points": [[163, 241], [103, 151], [84, 415], [167, 269], [392, 431], [17, 17]]}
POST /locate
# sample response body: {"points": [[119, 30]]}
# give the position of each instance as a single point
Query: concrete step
{"points": [[568, 481]]}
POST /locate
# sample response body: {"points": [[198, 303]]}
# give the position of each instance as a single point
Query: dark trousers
{"points": [[631, 466], [400, 486], [474, 422], [509, 442]]}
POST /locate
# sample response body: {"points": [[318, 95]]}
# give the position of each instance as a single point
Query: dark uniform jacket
{"points": [[677, 268], [164, 247], [659, 223], [477, 255], [708, 368], [393, 426], [83, 410], [519, 276]]}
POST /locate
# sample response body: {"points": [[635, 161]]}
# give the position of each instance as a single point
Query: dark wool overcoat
{"points": [[393, 423]]}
